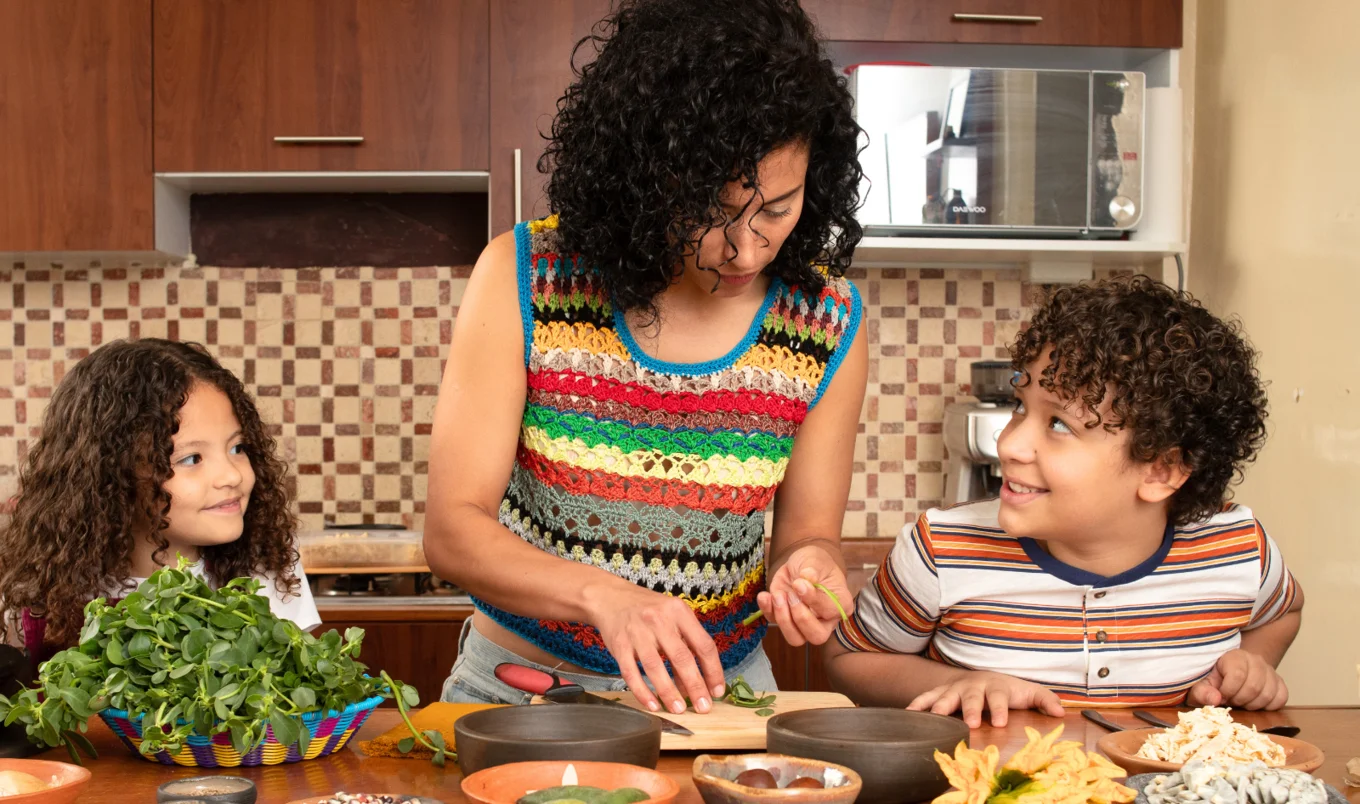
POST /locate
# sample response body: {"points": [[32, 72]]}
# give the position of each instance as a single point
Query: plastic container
{"points": [[362, 549]]}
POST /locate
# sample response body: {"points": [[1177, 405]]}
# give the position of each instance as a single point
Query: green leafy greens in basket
{"points": [[177, 650]]}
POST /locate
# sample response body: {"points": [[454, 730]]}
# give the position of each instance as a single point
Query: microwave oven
{"points": [[1000, 152]]}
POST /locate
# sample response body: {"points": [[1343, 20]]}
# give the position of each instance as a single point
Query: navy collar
{"points": [[1081, 577]]}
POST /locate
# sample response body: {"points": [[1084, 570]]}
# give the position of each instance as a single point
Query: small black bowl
{"points": [[572, 732], [207, 789], [892, 750]]}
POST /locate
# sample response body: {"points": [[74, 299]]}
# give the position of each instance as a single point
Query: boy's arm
{"points": [[884, 679], [1246, 678]]}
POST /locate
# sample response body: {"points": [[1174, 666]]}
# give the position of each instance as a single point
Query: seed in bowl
{"points": [[1250, 783]]}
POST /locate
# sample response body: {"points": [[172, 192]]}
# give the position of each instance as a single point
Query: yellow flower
{"points": [[1045, 771], [971, 772], [1036, 754]]}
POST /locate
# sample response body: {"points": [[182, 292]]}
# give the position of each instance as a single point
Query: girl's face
{"points": [[762, 218], [212, 479]]}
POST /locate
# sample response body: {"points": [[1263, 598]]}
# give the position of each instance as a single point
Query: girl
{"points": [[150, 450], [633, 378]]}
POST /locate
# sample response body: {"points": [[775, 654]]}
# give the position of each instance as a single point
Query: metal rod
{"points": [[519, 185], [319, 140], [1022, 19]]}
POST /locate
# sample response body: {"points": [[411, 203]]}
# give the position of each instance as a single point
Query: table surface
{"points": [[121, 777]]}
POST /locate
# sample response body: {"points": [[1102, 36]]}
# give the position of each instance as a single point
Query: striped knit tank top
{"points": [[659, 473]]}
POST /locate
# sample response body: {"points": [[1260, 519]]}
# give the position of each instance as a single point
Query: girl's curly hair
{"points": [[95, 479], [684, 97], [1181, 381]]}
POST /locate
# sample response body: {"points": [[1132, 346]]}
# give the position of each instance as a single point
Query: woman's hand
{"points": [[803, 612], [642, 627]]}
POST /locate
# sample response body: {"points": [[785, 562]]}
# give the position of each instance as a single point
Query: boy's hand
{"points": [[1242, 679], [1000, 693]]}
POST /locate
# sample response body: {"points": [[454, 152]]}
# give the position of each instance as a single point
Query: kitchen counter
{"points": [[120, 777]]}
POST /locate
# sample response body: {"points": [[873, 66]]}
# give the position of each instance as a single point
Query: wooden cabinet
{"points": [[1096, 23], [75, 125], [409, 77], [531, 53], [416, 646]]}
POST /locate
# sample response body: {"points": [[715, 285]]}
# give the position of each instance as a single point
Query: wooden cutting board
{"points": [[728, 727]]}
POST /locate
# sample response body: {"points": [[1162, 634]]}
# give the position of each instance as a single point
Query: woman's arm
{"points": [[809, 509], [472, 451]]}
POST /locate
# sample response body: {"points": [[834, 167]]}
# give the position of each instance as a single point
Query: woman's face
{"points": [[761, 218]]}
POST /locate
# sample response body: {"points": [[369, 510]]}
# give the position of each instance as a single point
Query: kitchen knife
{"points": [[552, 688]]}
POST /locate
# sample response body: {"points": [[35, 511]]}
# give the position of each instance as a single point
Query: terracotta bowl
{"points": [[70, 780], [714, 776], [892, 750], [1122, 746], [571, 732], [506, 784], [319, 799]]}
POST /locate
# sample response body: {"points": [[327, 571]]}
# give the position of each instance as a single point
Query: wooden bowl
{"points": [[505, 784], [892, 750], [570, 732], [1122, 749], [70, 780], [714, 777]]}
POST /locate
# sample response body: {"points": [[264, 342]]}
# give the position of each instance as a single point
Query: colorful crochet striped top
{"points": [[658, 472]]}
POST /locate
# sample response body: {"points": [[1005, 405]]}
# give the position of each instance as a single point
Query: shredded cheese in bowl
{"points": [[1209, 734]]}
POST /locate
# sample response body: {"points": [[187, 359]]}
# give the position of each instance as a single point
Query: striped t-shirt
{"points": [[957, 588]]}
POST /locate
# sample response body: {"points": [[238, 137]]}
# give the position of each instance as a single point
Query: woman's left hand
{"points": [[803, 612]]}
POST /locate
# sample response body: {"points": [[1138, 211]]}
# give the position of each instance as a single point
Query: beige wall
{"points": [[1275, 239]]}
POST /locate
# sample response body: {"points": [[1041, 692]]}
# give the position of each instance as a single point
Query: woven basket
{"points": [[330, 732]]}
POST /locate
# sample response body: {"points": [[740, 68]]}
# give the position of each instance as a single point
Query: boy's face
{"points": [[1062, 481]]}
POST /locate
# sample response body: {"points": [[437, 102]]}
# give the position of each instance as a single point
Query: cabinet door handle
{"points": [[1021, 19], [519, 185], [319, 140]]}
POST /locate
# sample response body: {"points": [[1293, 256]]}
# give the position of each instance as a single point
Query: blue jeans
{"points": [[473, 678]]}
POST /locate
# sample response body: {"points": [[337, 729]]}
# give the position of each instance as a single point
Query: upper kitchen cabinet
{"points": [[320, 85], [75, 124], [1094, 23], [531, 53]]}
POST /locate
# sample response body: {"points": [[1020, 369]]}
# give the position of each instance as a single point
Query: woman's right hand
{"points": [[642, 627]]}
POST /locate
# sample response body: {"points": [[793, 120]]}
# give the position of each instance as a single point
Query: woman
{"points": [[632, 378]]}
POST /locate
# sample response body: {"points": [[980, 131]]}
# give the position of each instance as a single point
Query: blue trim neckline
{"points": [[709, 366], [524, 271], [1081, 577]]}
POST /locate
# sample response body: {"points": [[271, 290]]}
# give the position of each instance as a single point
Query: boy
{"points": [[1110, 572]]}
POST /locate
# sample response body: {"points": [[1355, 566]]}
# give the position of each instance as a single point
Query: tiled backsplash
{"points": [[345, 363]]}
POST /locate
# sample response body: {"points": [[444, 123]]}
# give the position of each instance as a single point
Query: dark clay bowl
{"points": [[208, 789], [575, 732], [892, 750]]}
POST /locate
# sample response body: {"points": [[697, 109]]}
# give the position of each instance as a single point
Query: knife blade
{"points": [[551, 688]]}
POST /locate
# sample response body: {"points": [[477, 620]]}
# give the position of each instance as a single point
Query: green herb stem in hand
{"points": [[407, 697], [755, 616]]}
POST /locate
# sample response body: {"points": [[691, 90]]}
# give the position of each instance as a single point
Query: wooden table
{"points": [[121, 778]]}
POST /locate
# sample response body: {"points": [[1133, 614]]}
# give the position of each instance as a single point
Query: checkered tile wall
{"points": [[345, 364]]}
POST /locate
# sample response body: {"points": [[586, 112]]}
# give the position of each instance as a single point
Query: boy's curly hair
{"points": [[684, 97], [1181, 381], [94, 480]]}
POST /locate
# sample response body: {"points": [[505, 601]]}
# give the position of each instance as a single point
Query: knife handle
{"points": [[526, 679]]}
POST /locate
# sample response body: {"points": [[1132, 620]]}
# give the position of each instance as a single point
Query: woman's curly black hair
{"points": [[1181, 381], [95, 479], [684, 97]]}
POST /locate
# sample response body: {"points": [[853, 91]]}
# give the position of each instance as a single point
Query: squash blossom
{"points": [[1045, 771]]}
